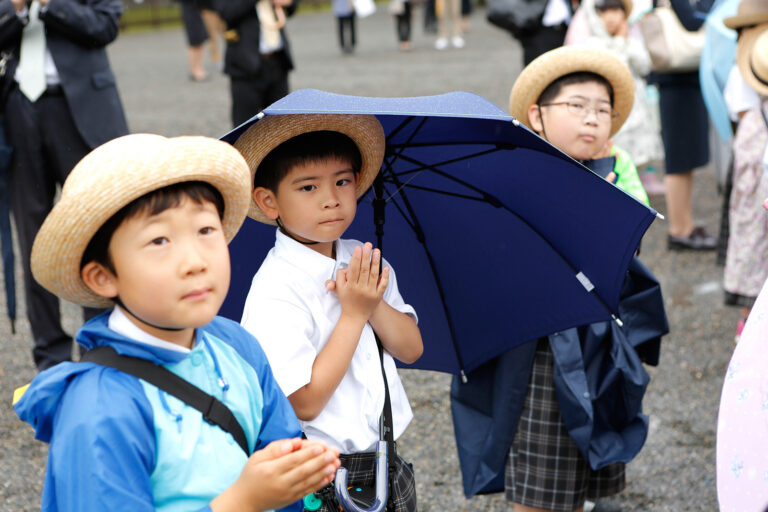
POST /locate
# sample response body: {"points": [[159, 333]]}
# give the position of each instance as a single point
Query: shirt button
{"points": [[197, 359]]}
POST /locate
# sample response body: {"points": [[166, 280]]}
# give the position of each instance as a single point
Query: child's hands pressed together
{"points": [[360, 287], [279, 474]]}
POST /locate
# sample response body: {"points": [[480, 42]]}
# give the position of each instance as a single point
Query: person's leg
{"points": [[196, 62], [678, 194], [32, 187], [404, 27], [65, 148], [455, 8], [247, 98], [352, 36], [441, 9], [340, 22], [197, 34], [275, 75], [213, 24], [541, 41]]}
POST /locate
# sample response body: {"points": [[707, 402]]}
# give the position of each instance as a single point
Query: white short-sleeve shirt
{"points": [[292, 314]]}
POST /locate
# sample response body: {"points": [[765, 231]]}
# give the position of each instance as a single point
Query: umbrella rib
{"points": [[442, 192], [494, 201], [422, 240]]}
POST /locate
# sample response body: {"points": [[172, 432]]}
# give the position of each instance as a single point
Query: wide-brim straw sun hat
{"points": [[112, 176], [752, 57], [550, 66], [749, 13], [271, 131]]}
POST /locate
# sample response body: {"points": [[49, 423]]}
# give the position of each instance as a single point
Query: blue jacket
{"points": [[119, 443], [599, 381]]}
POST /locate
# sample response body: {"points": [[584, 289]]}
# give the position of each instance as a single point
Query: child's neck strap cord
{"points": [[286, 233], [163, 327]]}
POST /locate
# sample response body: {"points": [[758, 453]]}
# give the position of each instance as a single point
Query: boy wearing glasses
{"points": [[576, 98], [578, 107]]}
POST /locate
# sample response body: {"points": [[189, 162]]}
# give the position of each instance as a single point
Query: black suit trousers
{"points": [[252, 94], [47, 145]]}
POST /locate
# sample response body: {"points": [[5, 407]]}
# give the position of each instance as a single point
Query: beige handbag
{"points": [[672, 48]]}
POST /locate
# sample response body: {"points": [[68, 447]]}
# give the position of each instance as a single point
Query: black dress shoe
{"points": [[698, 240]]}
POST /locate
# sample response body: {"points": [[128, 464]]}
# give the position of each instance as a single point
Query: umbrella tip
{"points": [[13, 326], [464, 378], [618, 321], [660, 216]]}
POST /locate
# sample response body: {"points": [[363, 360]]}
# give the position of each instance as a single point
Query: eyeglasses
{"points": [[580, 109]]}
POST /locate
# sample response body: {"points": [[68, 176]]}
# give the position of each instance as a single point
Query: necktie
{"points": [[32, 58]]}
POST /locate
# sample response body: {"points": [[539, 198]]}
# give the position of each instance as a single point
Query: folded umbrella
{"points": [[6, 236]]}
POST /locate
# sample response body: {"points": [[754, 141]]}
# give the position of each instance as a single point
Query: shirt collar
{"points": [[319, 267], [121, 324]]}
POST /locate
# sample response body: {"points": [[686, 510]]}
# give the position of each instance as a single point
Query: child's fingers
{"points": [[275, 450], [365, 263], [314, 473], [383, 280], [353, 271], [375, 265]]}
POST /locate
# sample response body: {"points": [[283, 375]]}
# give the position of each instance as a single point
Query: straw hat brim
{"points": [[747, 57], [112, 176], [271, 131], [550, 66]]}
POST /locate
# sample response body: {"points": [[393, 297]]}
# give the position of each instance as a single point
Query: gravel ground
{"points": [[675, 471]]}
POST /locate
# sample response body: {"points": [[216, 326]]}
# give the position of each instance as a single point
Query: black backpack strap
{"points": [[214, 411]]}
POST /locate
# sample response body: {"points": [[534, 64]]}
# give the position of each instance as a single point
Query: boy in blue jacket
{"points": [[143, 226]]}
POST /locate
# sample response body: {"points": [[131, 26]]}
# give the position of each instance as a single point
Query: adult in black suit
{"points": [[258, 72], [79, 109]]}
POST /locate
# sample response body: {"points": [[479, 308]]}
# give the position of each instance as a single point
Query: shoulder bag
{"points": [[672, 48]]}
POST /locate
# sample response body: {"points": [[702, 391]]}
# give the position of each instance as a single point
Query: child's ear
{"points": [[534, 117], [99, 279], [266, 200]]}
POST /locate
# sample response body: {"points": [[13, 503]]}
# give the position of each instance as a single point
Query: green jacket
{"points": [[627, 178]]}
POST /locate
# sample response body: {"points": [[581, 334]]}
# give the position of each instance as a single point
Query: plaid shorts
{"points": [[545, 468], [361, 469]]}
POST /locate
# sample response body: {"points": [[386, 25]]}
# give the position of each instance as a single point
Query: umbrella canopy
{"points": [[496, 236]]}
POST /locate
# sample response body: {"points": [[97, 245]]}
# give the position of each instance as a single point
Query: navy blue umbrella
{"points": [[496, 236], [6, 237]]}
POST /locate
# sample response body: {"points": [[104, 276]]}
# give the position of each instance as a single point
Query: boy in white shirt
{"points": [[317, 299]]}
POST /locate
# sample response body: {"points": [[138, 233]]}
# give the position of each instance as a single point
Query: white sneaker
{"points": [[441, 43], [457, 42]]}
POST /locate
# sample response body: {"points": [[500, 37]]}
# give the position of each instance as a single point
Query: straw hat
{"points": [[271, 131], [752, 57], [112, 176], [749, 13], [565, 60]]}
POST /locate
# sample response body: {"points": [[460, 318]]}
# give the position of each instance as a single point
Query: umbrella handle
{"points": [[382, 484]]}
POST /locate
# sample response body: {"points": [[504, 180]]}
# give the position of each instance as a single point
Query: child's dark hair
{"points": [[604, 5], [579, 77], [303, 149], [151, 203]]}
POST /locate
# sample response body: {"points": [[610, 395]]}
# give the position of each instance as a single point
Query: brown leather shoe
{"points": [[698, 240]]}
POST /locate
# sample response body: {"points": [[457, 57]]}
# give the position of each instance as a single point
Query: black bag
{"points": [[520, 17]]}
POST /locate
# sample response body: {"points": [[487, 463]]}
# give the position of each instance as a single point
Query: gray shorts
{"points": [[545, 468]]}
